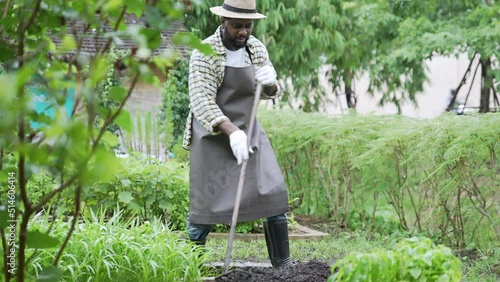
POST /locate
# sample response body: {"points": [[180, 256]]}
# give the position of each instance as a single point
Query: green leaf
{"points": [[68, 43], [125, 197], [6, 53], [39, 240], [134, 205], [112, 6], [38, 155], [189, 39], [125, 182], [443, 278], [50, 274], [153, 37], [123, 120], [25, 75], [163, 204], [117, 93], [415, 272], [156, 18], [4, 217], [103, 167], [98, 69], [136, 7], [427, 258], [110, 139]]}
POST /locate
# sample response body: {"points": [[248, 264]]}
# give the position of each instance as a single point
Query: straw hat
{"points": [[237, 9]]}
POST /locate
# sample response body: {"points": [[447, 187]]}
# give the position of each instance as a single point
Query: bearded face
{"points": [[236, 32]]}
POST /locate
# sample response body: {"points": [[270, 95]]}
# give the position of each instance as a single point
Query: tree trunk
{"points": [[349, 93], [486, 85]]}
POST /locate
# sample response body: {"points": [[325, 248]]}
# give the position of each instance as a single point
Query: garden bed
{"points": [[312, 271]]}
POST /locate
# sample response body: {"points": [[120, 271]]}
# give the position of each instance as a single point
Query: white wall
{"points": [[444, 74]]}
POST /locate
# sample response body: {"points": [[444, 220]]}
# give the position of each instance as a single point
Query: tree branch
{"points": [[78, 194], [115, 28], [462, 82], [33, 16], [1, 157]]}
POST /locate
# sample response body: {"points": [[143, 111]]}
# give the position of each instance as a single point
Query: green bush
{"points": [[412, 260], [143, 187], [382, 224], [435, 177], [147, 188], [175, 106]]}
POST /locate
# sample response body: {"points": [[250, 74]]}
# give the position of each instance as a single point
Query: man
{"points": [[222, 90]]}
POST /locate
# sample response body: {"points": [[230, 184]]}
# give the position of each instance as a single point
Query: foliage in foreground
{"points": [[435, 177], [412, 260], [114, 249], [45, 61]]}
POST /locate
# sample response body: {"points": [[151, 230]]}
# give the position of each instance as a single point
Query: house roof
{"points": [[91, 44]]}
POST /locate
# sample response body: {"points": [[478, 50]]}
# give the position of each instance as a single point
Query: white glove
{"points": [[239, 145], [266, 75]]}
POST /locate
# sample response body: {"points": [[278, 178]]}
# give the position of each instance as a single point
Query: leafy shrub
{"points": [[412, 260], [181, 154], [142, 187], [147, 188], [381, 223], [436, 177], [175, 106]]}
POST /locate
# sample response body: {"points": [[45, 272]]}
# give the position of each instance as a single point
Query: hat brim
{"points": [[219, 11]]}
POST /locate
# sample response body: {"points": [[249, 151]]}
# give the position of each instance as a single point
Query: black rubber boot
{"points": [[276, 233]]}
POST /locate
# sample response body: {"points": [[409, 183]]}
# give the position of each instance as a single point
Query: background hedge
{"points": [[438, 177]]}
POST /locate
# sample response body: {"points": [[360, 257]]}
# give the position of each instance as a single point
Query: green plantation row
{"points": [[434, 177]]}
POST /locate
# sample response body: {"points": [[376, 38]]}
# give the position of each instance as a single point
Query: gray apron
{"points": [[214, 172]]}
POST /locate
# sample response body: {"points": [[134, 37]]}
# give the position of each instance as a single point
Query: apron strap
{"points": [[249, 54]]}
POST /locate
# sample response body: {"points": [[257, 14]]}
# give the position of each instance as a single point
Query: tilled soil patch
{"points": [[312, 271]]}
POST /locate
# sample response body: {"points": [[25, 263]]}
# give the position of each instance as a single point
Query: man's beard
{"points": [[231, 40]]}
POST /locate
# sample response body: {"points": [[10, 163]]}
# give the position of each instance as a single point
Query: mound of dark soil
{"points": [[312, 271]]}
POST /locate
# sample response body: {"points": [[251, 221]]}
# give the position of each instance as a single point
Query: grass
{"points": [[114, 249]]}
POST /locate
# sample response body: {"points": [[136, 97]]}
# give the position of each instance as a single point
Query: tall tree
{"points": [[452, 27], [388, 39], [296, 32]]}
